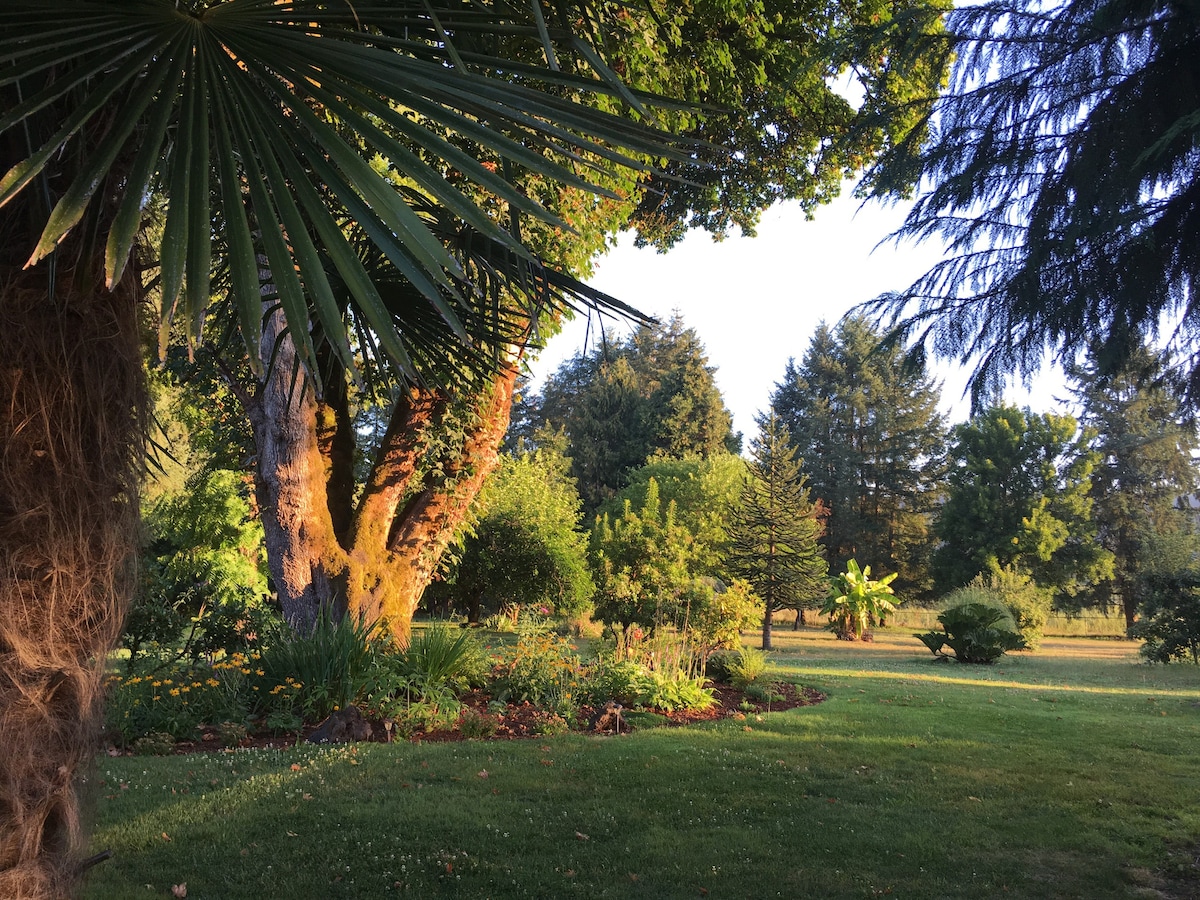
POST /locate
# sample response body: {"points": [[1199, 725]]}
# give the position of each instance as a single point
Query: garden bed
{"points": [[519, 721]]}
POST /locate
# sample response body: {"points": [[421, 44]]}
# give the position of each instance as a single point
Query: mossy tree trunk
{"points": [[72, 398], [374, 555]]}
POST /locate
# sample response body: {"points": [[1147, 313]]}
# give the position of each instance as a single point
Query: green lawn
{"points": [[1072, 772]]}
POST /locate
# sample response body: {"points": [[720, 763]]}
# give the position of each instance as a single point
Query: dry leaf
{"points": [[179, 890], [483, 773], [581, 836], [295, 767], [165, 836]]}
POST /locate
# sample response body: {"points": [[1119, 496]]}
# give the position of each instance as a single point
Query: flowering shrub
{"points": [[179, 700], [542, 669]]}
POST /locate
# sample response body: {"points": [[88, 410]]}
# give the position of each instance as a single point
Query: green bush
{"points": [[1015, 590], [609, 678], [974, 632], [542, 669], [1170, 623]]}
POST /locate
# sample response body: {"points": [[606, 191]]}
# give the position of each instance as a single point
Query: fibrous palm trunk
{"points": [[71, 400]]}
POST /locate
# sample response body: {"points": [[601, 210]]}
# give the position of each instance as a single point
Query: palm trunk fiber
{"points": [[71, 401]]}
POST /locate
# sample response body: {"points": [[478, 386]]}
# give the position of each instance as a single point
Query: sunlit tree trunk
{"points": [[400, 540], [72, 397], [372, 557], [307, 564]]}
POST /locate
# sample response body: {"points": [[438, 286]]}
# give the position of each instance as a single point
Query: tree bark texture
{"points": [[374, 557], [72, 397], [307, 564]]}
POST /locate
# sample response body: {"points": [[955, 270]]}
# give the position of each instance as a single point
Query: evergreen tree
{"points": [[641, 563], [774, 529], [625, 401], [1061, 167], [1019, 496], [872, 441], [703, 491], [1143, 474]]}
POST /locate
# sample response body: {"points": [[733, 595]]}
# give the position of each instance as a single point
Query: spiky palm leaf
{"points": [[263, 122]]}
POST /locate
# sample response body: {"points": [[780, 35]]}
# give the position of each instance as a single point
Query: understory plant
{"points": [[1170, 622], [542, 668], [331, 663], [974, 633], [1015, 591]]}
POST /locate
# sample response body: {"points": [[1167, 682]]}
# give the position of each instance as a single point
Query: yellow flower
{"points": [[156, 684], [259, 672], [185, 689], [174, 692], [212, 682], [245, 671], [156, 697], [195, 684]]}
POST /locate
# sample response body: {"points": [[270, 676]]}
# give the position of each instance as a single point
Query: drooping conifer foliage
{"points": [[1063, 168]]}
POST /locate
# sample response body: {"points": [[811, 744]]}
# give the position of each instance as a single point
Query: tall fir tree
{"points": [[774, 529], [1019, 496], [1144, 472], [653, 394], [873, 443]]}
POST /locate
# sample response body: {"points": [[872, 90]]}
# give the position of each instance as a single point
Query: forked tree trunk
{"points": [[307, 564], [398, 542], [71, 400], [375, 558]]}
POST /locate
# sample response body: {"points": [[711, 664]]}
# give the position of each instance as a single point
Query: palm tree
{"points": [[266, 128]]}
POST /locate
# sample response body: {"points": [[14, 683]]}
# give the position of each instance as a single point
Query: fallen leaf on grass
{"points": [[179, 890], [165, 836], [295, 767], [580, 836], [483, 773]]}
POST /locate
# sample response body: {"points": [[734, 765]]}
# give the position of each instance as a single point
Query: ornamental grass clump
{"points": [[332, 663]]}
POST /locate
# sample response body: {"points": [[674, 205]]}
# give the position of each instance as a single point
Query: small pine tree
{"points": [[774, 530]]}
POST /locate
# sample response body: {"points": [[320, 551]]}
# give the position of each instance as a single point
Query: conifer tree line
{"points": [[852, 461]]}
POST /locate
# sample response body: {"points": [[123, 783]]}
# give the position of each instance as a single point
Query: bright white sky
{"points": [[755, 302]]}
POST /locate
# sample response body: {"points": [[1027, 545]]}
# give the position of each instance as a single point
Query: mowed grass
{"points": [[1072, 772]]}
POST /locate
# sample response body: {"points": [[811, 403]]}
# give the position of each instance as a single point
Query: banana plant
{"points": [[856, 601]]}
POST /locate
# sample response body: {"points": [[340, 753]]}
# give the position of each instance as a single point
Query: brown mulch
{"points": [[523, 720]]}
